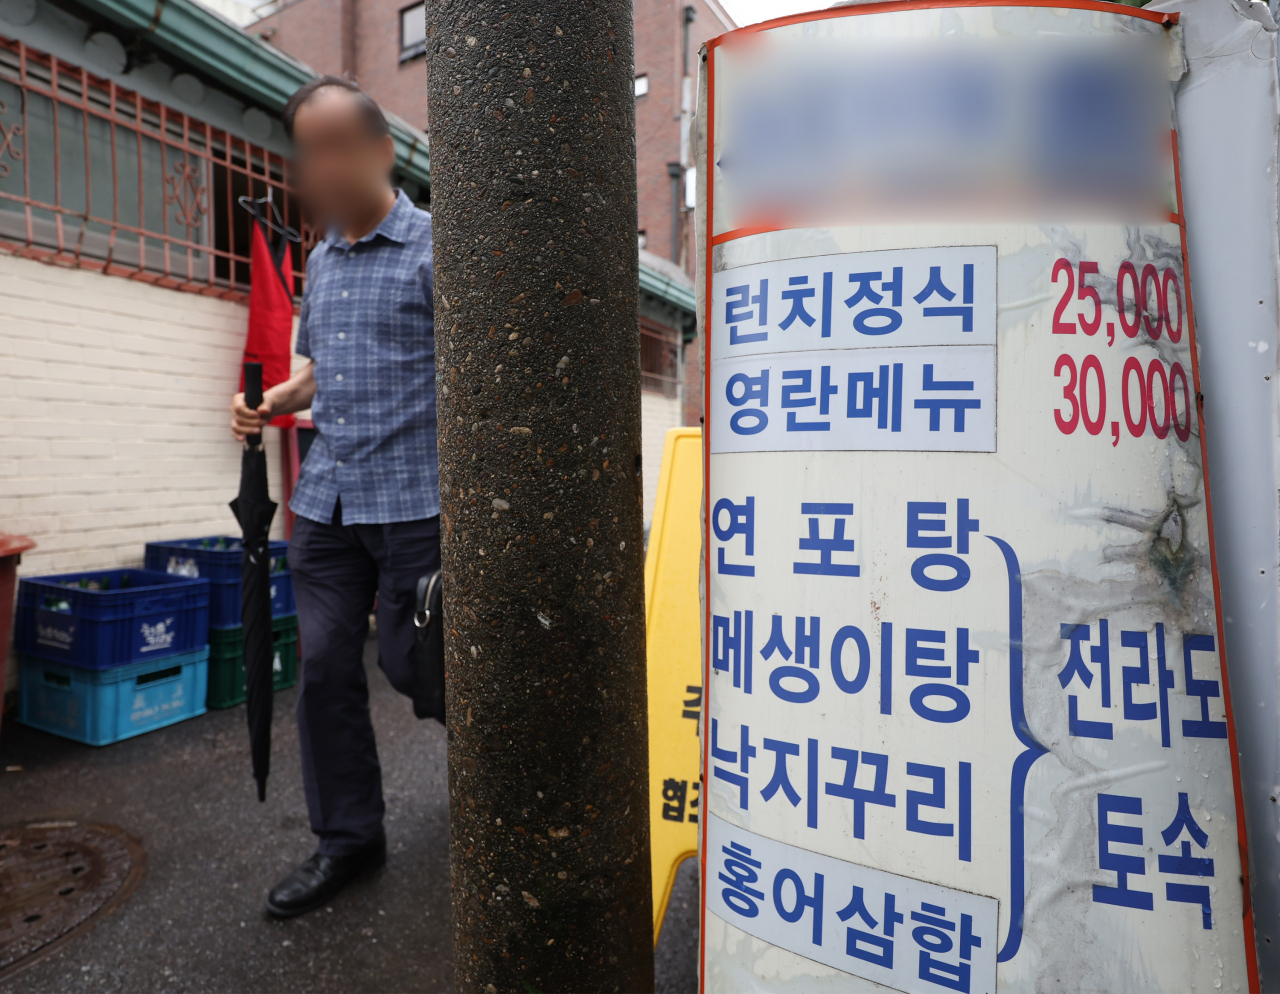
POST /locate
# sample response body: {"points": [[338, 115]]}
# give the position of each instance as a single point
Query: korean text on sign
{"points": [[922, 399], [905, 934], [926, 296]]}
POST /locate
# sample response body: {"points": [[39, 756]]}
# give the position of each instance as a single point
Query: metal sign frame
{"points": [[709, 242]]}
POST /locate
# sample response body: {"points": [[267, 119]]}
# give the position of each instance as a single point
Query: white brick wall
{"points": [[113, 416], [658, 414]]}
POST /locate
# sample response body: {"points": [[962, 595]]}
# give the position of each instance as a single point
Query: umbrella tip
{"points": [[262, 790]]}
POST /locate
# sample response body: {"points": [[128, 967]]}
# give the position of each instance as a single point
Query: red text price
{"points": [[1149, 398], [1150, 301]]}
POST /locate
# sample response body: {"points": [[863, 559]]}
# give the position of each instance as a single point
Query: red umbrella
{"points": [[269, 341]]}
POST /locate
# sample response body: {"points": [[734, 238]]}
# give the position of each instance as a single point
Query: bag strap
{"points": [[421, 605]]}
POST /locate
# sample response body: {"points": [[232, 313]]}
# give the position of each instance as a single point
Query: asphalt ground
{"points": [[196, 922]]}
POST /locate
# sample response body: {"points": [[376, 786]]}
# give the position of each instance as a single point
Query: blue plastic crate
{"points": [[109, 618], [214, 557], [99, 707], [225, 602], [217, 558]]}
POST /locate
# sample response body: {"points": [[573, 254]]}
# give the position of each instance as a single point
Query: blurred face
{"points": [[343, 168]]}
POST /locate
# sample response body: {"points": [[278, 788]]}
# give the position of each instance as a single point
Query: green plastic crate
{"points": [[226, 661]]}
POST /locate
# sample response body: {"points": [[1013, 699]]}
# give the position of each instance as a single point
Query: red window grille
{"points": [[659, 358], [96, 176]]}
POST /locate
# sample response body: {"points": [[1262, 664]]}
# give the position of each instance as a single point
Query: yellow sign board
{"points": [[675, 662]]}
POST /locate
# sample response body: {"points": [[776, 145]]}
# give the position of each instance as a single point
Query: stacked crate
{"points": [[217, 560], [110, 654]]}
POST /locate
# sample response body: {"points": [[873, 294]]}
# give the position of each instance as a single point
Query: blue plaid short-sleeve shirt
{"points": [[368, 324]]}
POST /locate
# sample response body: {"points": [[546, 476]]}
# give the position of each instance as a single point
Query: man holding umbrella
{"points": [[367, 500]]}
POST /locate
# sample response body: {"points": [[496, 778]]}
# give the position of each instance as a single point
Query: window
{"points": [[95, 176], [659, 357], [413, 31], [642, 85]]}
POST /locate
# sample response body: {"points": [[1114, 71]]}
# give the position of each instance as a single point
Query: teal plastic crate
{"points": [[99, 707]]}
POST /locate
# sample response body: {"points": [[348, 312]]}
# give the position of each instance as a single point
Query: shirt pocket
{"points": [[406, 324]]}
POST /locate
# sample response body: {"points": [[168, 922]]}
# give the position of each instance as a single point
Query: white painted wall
{"points": [[113, 416], [658, 414]]}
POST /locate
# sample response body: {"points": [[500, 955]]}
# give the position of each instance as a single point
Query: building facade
{"points": [[668, 35], [127, 136], [381, 45], [129, 133]]}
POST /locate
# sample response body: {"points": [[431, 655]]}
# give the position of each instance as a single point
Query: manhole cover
{"points": [[57, 877]]}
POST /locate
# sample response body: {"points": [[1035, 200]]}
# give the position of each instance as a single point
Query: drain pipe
{"points": [[676, 171]]}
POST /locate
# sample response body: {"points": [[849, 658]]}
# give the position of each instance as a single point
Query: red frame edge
{"points": [[888, 6], [709, 179]]}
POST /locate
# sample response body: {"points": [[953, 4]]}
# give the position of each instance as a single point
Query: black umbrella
{"points": [[254, 510]]}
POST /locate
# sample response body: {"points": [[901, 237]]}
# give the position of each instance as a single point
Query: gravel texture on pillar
{"points": [[537, 357]]}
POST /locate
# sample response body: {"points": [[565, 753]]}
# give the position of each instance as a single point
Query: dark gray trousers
{"points": [[337, 572]]}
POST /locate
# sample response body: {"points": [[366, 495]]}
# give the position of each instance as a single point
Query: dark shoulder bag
{"points": [[428, 623]]}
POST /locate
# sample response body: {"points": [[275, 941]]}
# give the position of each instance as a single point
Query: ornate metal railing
{"points": [[659, 358], [96, 176]]}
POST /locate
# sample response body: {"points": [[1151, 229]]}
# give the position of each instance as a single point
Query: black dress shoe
{"points": [[312, 884]]}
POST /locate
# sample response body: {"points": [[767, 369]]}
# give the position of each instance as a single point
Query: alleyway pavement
{"points": [[196, 922]]}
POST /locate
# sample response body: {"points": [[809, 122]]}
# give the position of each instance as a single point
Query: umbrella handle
{"points": [[253, 393]]}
